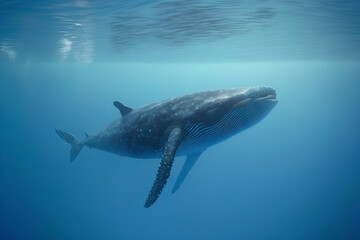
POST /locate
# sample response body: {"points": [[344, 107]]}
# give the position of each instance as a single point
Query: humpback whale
{"points": [[185, 125]]}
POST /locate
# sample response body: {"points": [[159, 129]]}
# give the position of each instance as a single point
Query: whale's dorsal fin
{"points": [[174, 140], [188, 164], [123, 109]]}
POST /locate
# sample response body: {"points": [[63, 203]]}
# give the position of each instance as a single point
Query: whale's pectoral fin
{"points": [[174, 140], [123, 109], [188, 164]]}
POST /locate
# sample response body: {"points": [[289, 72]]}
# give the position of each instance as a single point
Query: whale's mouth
{"points": [[267, 97]]}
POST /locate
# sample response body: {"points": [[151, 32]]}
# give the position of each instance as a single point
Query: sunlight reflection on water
{"points": [[217, 30]]}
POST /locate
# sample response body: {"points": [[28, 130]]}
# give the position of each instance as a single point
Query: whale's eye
{"points": [[218, 102]]}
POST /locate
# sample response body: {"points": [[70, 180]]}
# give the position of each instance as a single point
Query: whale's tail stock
{"points": [[76, 145]]}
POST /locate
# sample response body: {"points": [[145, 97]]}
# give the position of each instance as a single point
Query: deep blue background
{"points": [[295, 175]]}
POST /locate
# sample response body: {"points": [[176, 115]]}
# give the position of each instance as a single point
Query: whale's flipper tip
{"points": [[76, 145]]}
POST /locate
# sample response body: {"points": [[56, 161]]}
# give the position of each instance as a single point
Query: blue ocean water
{"points": [[295, 175]]}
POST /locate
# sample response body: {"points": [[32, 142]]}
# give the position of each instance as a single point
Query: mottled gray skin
{"points": [[143, 132], [185, 125]]}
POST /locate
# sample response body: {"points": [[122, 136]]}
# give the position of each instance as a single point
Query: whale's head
{"points": [[258, 102], [239, 108]]}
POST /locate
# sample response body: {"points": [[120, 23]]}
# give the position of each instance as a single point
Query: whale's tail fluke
{"points": [[76, 145]]}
